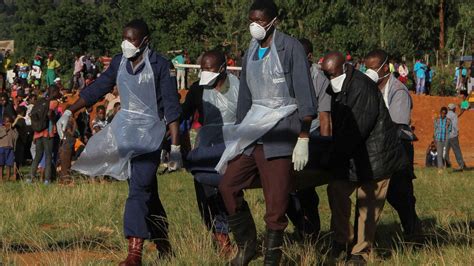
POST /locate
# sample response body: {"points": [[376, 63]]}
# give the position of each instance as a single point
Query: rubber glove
{"points": [[61, 125], [176, 160], [300, 154]]}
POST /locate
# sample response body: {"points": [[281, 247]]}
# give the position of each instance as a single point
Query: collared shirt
{"points": [[398, 101], [165, 84], [442, 128], [454, 124], [321, 84]]}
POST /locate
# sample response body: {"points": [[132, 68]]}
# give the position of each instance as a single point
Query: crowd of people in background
{"points": [[32, 98]]}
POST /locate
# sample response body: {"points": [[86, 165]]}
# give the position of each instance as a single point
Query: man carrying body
{"points": [[398, 101], [366, 153], [303, 206], [216, 101], [133, 140], [274, 112], [453, 138]]}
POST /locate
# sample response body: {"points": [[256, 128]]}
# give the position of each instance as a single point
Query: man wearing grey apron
{"points": [[274, 111], [129, 147], [216, 101]]}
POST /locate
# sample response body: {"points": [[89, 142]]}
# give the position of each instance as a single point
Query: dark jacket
{"points": [[365, 138], [281, 140]]}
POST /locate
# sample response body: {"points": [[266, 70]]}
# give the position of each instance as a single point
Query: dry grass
{"points": [[82, 225]]}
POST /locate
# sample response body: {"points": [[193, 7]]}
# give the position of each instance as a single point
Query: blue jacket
{"points": [[165, 82]]}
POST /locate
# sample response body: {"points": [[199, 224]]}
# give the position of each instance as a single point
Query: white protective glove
{"points": [[61, 125], [300, 154], [176, 160]]}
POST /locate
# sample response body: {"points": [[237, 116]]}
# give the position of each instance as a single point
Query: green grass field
{"points": [[82, 224]]}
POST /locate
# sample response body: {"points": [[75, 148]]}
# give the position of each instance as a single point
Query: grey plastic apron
{"points": [[136, 129], [271, 102], [219, 111]]}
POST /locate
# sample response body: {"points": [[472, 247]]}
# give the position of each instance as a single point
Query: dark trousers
{"points": [[144, 215], [303, 211], [400, 193], [211, 207], [44, 145], [453, 143], [276, 182]]}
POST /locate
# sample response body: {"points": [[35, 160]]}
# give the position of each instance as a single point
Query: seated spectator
{"points": [[114, 112], [21, 146], [431, 156], [99, 122], [8, 137]]}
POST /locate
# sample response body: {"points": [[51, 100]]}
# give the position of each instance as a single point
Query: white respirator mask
{"points": [[129, 50], [208, 78], [259, 32], [374, 74], [336, 83]]}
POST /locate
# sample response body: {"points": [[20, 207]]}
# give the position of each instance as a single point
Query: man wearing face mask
{"points": [[274, 112], [129, 148], [366, 153], [303, 207], [216, 101], [399, 103]]}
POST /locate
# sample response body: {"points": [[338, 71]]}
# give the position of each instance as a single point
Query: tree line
{"points": [[404, 28]]}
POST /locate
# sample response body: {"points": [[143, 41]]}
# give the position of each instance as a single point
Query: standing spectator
{"points": [[180, 71], [43, 118], [431, 156], [66, 150], [8, 137], [460, 75], [21, 147], [6, 107], [78, 83], [403, 71], [100, 121], [110, 100], [442, 127], [105, 60], [52, 66], [78, 64], [420, 76], [83, 121], [429, 73], [114, 112], [23, 69], [470, 85], [453, 138]]}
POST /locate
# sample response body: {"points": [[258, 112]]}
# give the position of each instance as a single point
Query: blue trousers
{"points": [[144, 215]]}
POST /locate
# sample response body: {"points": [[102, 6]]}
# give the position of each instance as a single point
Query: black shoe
{"points": [[273, 245], [338, 251], [245, 235], [356, 260]]}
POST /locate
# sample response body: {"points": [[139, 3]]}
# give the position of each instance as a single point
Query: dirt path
{"points": [[425, 110]]}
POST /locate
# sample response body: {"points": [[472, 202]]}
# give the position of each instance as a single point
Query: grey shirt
{"points": [[280, 140], [399, 101], [454, 124], [320, 84]]}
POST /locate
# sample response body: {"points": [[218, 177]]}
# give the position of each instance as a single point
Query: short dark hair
{"points": [[116, 104], [100, 107], [307, 45], [266, 6], [21, 110], [444, 108], [379, 54], [139, 25], [218, 55]]}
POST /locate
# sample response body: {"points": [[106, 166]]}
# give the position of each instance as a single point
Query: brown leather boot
{"points": [[223, 244], [135, 247]]}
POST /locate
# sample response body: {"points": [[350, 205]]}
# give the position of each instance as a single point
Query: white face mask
{"points": [[129, 50], [336, 83], [374, 75], [258, 31], [208, 78]]}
